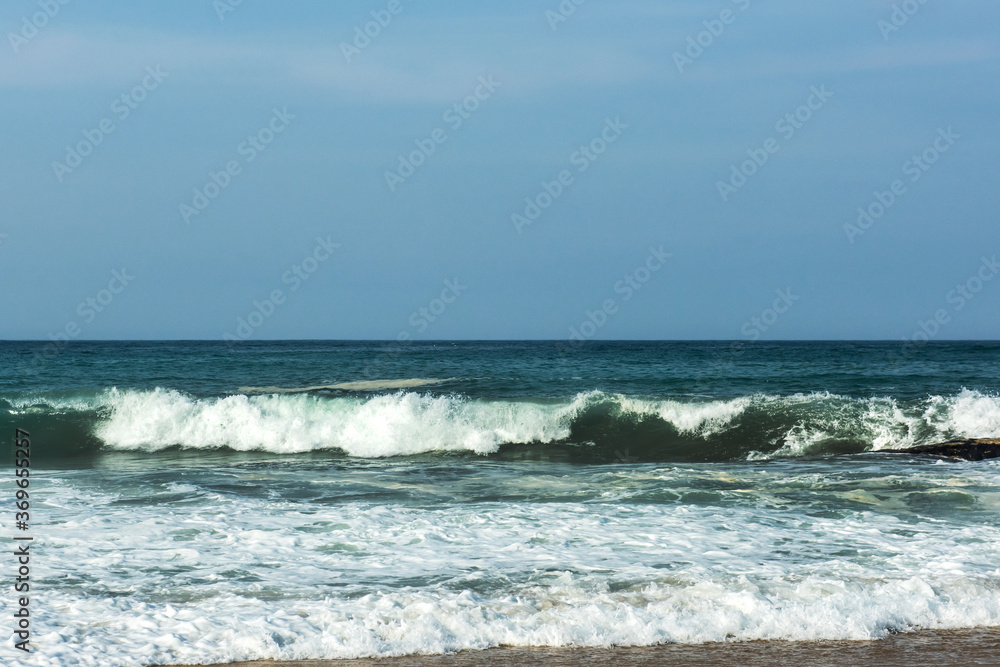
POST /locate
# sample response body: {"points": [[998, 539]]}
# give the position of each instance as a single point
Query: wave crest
{"points": [[385, 425], [590, 427]]}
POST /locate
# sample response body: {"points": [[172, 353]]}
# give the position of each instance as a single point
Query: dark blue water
{"points": [[512, 370], [661, 401]]}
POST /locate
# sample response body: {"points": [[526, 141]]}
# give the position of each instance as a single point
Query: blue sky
{"points": [[337, 124]]}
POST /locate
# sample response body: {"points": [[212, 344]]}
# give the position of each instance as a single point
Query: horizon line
{"points": [[500, 340]]}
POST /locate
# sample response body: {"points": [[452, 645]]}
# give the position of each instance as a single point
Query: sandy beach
{"points": [[930, 648]]}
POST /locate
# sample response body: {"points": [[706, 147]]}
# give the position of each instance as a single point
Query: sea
{"points": [[200, 502]]}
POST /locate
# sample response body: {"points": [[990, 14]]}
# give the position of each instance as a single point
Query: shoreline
{"points": [[921, 648]]}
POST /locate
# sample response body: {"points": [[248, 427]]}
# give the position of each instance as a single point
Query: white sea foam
{"points": [[384, 425], [971, 412], [403, 422], [132, 581], [704, 418], [886, 424]]}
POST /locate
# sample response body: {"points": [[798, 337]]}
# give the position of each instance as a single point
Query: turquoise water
{"points": [[200, 502]]}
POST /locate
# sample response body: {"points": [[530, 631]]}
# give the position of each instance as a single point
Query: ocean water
{"points": [[204, 502]]}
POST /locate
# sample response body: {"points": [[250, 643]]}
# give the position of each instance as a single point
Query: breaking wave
{"points": [[589, 427]]}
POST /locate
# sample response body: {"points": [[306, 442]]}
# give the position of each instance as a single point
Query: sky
{"points": [[724, 169]]}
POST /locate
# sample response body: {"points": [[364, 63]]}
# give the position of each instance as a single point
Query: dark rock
{"points": [[972, 449]]}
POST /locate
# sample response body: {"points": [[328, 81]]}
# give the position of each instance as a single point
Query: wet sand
{"points": [[926, 648]]}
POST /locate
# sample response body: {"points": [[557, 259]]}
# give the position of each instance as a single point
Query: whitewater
{"points": [[197, 503], [404, 423]]}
